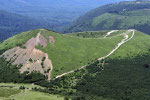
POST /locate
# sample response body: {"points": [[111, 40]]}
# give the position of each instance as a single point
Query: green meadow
{"points": [[11, 91], [69, 52]]}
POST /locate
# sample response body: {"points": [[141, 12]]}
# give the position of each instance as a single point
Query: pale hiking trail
{"points": [[109, 33], [126, 39]]}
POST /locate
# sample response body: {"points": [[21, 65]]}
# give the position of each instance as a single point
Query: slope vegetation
{"points": [[121, 76], [111, 65], [56, 12], [66, 52], [29, 58], [9, 91], [124, 15]]}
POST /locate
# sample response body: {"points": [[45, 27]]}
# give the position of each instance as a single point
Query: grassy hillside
{"points": [[121, 76], [124, 15], [139, 45], [68, 52], [95, 34], [13, 91], [125, 75]]}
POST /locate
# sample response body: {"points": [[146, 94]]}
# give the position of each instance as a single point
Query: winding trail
{"points": [[109, 33], [126, 39]]}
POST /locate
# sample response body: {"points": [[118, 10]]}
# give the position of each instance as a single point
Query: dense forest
{"points": [[10, 73], [117, 79]]}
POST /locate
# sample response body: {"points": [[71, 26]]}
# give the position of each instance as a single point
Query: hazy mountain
{"points": [[11, 24], [58, 12], [124, 15]]}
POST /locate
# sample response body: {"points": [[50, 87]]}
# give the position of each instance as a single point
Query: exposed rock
{"points": [[30, 58], [35, 41], [51, 39]]}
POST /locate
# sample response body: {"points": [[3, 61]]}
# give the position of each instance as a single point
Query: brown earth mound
{"points": [[30, 59], [51, 39]]}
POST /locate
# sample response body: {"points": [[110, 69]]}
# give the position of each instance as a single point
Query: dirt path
{"points": [[126, 39], [109, 33]]}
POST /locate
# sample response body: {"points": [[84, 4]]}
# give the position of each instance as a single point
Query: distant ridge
{"points": [[123, 15], [12, 23], [142, 0]]}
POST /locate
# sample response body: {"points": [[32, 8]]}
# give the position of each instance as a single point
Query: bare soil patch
{"points": [[30, 59]]}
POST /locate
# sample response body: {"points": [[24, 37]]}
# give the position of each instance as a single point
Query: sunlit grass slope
{"points": [[124, 75], [139, 45], [10, 91], [68, 52], [95, 34]]}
